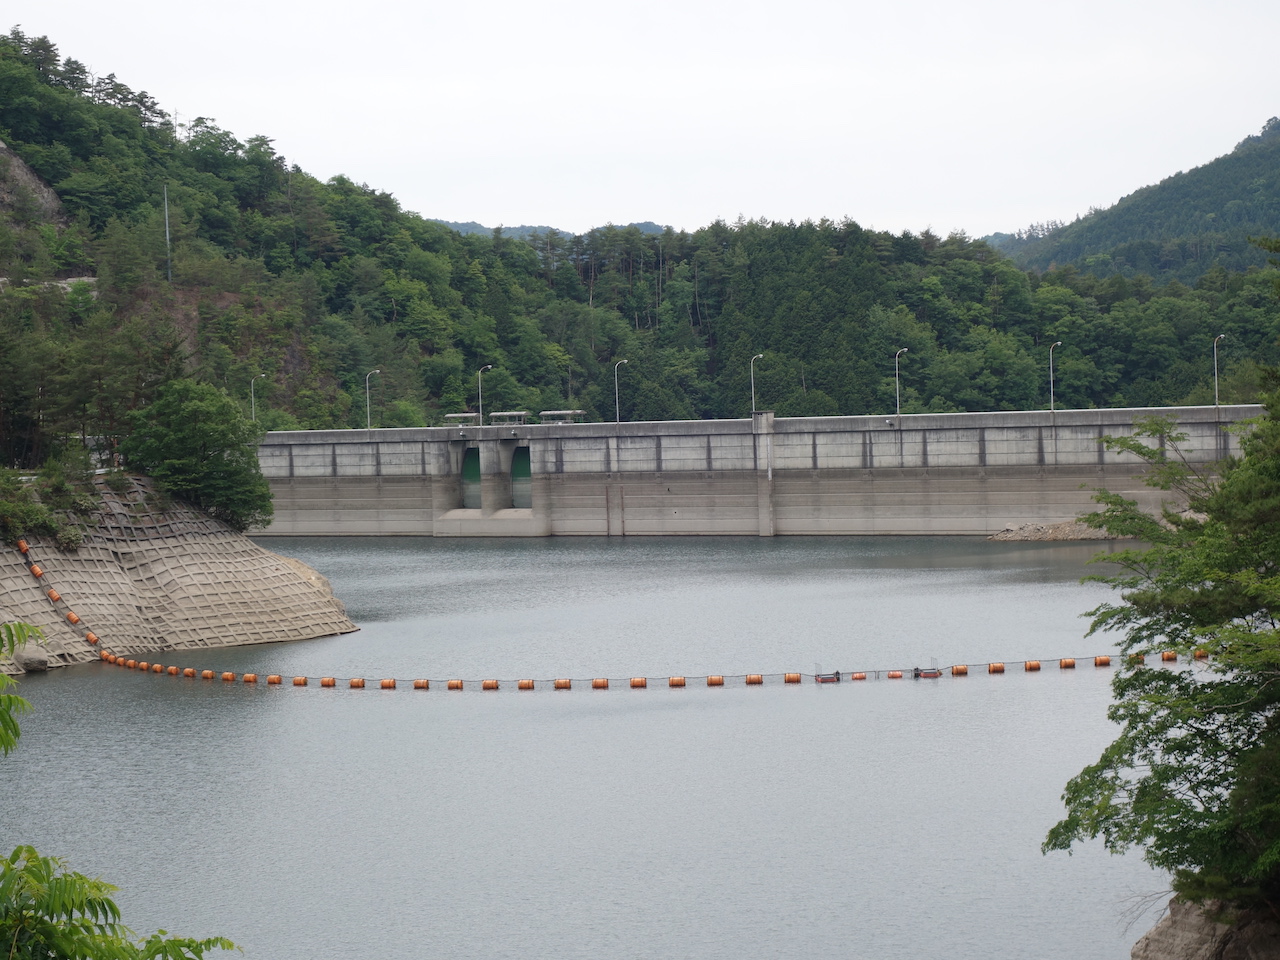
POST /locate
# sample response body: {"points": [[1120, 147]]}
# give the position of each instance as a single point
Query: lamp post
{"points": [[617, 405], [897, 384], [1051, 346], [367, 423], [480, 390], [1215, 367], [253, 400], [753, 381]]}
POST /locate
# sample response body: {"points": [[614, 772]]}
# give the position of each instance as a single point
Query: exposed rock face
{"points": [[152, 577], [24, 193], [1069, 530], [1188, 933]]}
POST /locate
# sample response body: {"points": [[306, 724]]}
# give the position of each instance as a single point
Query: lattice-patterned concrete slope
{"points": [[153, 576]]}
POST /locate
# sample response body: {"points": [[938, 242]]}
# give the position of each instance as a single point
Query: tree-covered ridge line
{"points": [[288, 291], [1180, 228]]}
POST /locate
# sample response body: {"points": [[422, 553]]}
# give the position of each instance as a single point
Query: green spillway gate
{"points": [[471, 479], [521, 479]]}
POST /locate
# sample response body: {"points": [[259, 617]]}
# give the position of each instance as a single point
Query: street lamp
{"points": [[1215, 367], [617, 406], [253, 401], [367, 424], [480, 390], [1051, 346], [753, 381], [897, 386]]}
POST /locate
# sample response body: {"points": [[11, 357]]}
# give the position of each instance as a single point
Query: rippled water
{"points": [[879, 820]]}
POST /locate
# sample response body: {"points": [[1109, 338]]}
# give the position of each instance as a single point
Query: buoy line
{"points": [[558, 683]]}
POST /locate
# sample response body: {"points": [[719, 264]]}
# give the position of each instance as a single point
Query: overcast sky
{"points": [[981, 117]]}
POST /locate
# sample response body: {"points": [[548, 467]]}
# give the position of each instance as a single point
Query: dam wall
{"points": [[924, 474]]}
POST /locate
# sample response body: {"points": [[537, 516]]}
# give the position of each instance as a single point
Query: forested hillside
{"points": [[1177, 229], [301, 288]]}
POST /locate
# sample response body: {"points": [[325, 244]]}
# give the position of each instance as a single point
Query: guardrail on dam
{"points": [[958, 473]]}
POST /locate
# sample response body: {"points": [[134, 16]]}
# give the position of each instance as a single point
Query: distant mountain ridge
{"points": [[524, 231], [1178, 229]]}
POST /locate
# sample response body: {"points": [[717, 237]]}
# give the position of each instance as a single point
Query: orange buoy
{"points": [[36, 571], [1031, 666], [156, 668], [189, 672], [328, 682], [754, 679], [995, 668], [791, 677], [715, 681], [108, 656], [173, 671], [299, 681], [456, 685], [564, 684], [250, 678], [857, 676], [600, 683], [422, 684], [1066, 663], [72, 617], [960, 670], [1201, 654], [489, 685], [53, 594], [638, 683], [91, 637], [206, 674], [894, 674], [228, 676], [22, 546], [1169, 656], [357, 683], [675, 682], [274, 678], [1102, 661], [1137, 658], [524, 684], [388, 684], [143, 665]]}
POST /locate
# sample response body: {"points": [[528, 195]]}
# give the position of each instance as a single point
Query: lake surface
{"points": [[884, 819]]}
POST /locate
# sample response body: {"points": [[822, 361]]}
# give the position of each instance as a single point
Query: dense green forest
{"points": [[1177, 229], [286, 292]]}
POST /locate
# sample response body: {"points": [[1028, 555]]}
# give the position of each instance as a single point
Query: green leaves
{"points": [[195, 441], [1194, 776]]}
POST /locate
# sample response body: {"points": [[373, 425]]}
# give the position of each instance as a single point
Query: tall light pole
{"points": [[480, 390], [253, 401], [753, 381], [1051, 346], [897, 385], [617, 405], [1215, 367], [367, 423]]}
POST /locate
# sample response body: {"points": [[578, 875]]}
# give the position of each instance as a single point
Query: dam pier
{"points": [[921, 474]]}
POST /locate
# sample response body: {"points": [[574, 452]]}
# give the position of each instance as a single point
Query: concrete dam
{"points": [[922, 474]]}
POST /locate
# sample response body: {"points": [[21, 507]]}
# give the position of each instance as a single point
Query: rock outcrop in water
{"points": [[153, 576], [1189, 932]]}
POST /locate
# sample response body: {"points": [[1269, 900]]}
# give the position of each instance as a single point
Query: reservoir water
{"points": [[885, 819]]}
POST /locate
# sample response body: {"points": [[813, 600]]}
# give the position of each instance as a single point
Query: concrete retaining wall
{"points": [[924, 474]]}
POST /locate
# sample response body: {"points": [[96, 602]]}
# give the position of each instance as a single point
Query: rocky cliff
{"points": [[1190, 932], [153, 575]]}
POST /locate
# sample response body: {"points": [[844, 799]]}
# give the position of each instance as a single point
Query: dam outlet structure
{"points": [[910, 475]]}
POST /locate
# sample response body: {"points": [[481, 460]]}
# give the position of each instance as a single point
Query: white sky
{"points": [[979, 117]]}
